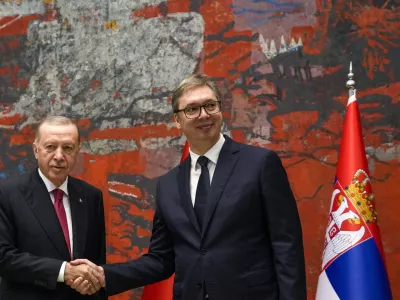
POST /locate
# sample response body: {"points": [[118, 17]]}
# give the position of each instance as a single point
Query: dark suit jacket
{"points": [[251, 244], [32, 244]]}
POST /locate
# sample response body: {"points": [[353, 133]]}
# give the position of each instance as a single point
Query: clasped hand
{"points": [[84, 276]]}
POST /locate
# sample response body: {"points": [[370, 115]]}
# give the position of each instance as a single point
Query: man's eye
{"points": [[50, 147], [191, 110], [211, 105], [68, 149]]}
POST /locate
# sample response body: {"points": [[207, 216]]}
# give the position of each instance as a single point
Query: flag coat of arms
{"points": [[353, 265]]}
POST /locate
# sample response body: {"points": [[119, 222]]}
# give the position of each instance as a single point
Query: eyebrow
{"points": [[205, 102], [59, 143]]}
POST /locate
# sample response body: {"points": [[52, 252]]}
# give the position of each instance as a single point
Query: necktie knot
{"points": [[58, 195], [203, 161]]}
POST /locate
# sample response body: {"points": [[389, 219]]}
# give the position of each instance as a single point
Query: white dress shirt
{"points": [[195, 168], [50, 187]]}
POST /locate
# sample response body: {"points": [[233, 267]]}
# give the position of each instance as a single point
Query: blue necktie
{"points": [[203, 187]]}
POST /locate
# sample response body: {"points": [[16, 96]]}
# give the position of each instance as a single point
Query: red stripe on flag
{"points": [[163, 290], [352, 220], [352, 157], [185, 152], [352, 152]]}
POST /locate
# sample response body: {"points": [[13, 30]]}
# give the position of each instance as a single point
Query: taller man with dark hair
{"points": [[226, 221]]}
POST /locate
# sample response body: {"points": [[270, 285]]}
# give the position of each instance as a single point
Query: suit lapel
{"points": [[78, 214], [184, 192], [39, 200], [226, 162]]}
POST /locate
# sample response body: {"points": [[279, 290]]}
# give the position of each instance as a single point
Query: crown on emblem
{"points": [[359, 192]]}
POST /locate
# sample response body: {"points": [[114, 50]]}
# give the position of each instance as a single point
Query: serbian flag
{"points": [[163, 290], [353, 263]]}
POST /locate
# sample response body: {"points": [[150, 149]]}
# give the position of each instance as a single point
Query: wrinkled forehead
{"points": [[58, 131]]}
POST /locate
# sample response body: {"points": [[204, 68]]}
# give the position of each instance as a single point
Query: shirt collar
{"points": [[212, 154], [51, 187]]}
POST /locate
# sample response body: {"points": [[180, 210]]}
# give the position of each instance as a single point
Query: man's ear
{"points": [[177, 121], [35, 150]]}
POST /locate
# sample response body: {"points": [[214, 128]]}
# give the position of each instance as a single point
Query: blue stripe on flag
{"points": [[359, 274]]}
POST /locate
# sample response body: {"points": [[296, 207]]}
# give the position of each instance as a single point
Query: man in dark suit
{"points": [[226, 221], [48, 217]]}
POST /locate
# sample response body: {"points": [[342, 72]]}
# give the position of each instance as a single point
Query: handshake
{"points": [[84, 276]]}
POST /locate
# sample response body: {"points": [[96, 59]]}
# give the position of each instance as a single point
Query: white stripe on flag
{"points": [[325, 290]]}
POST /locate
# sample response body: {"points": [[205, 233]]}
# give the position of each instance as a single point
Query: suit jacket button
{"points": [[199, 285], [203, 251]]}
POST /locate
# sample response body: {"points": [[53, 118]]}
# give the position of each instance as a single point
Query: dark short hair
{"points": [[55, 120], [190, 83]]}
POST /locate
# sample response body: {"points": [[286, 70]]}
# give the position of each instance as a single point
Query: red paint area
{"points": [[306, 138]]}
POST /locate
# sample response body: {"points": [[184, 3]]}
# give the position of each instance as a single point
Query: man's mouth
{"points": [[204, 126], [58, 167]]}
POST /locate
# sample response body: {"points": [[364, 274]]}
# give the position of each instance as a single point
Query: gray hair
{"points": [[190, 83], [55, 120]]}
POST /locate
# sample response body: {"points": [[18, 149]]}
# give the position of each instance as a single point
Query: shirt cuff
{"points": [[61, 274]]}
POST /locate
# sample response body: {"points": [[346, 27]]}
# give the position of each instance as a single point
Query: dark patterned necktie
{"points": [[203, 188]]}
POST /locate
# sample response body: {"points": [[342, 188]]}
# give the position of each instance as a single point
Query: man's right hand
{"points": [[85, 277], [84, 285]]}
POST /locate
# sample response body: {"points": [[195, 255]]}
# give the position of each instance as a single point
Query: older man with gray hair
{"points": [[48, 218]]}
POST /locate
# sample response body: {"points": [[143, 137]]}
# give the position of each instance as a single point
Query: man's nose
{"points": [[203, 113], [58, 154]]}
